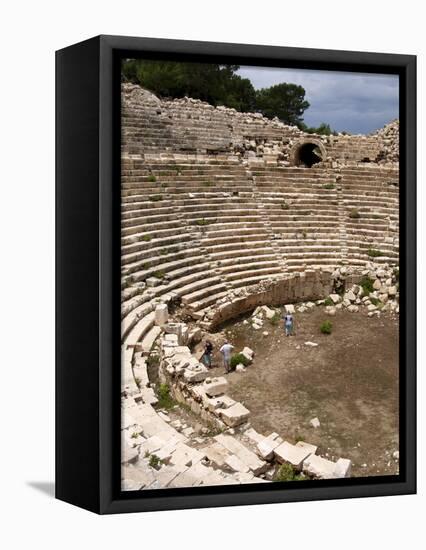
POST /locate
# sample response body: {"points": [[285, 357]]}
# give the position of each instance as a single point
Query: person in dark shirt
{"points": [[207, 355]]}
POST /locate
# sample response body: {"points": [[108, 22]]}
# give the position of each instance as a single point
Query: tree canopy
{"points": [[286, 101], [220, 85]]}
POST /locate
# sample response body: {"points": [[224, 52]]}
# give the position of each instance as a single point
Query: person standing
{"points": [[288, 324], [226, 351], [207, 355]]}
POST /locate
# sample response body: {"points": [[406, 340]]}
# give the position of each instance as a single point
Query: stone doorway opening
{"points": [[308, 154]]}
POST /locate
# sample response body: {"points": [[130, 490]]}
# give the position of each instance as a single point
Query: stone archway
{"points": [[307, 153]]}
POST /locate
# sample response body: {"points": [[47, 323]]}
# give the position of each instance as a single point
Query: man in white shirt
{"points": [[226, 351]]}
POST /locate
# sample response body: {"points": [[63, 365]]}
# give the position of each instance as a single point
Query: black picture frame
{"points": [[88, 274]]}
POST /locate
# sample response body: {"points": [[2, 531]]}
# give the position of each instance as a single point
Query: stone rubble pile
{"points": [[389, 136]]}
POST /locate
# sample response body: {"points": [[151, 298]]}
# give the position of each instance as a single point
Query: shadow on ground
{"points": [[46, 487]]}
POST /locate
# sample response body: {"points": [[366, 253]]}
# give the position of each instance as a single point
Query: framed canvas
{"points": [[236, 276]]}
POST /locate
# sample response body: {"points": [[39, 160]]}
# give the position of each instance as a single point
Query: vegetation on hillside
{"points": [[221, 85]]}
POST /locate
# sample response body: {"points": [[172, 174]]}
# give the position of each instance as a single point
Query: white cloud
{"points": [[355, 102]]}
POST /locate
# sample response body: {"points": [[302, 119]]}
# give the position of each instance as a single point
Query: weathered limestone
{"points": [[215, 386], [248, 354], [335, 298], [195, 373], [195, 236], [161, 314], [343, 468], [286, 452], [235, 415], [247, 457], [307, 447], [315, 423], [266, 447], [319, 467]]}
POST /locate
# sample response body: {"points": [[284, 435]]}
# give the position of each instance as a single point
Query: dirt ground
{"points": [[350, 382]]}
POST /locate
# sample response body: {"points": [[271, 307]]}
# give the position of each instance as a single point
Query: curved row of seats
{"points": [[195, 230]]}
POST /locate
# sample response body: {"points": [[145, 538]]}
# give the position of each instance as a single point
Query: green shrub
{"points": [[374, 301], [165, 400], [329, 186], [285, 206], [152, 178], [373, 253], [326, 327], [134, 435], [286, 472], [396, 274], [202, 222], [146, 237], [156, 198], [153, 360], [155, 462], [328, 301], [367, 284], [238, 358], [354, 213], [159, 274]]}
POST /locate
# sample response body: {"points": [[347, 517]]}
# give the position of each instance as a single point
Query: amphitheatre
{"points": [[228, 220]]}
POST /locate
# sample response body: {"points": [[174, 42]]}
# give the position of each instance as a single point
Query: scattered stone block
{"points": [[265, 449], [235, 415], [311, 344], [307, 446], [195, 373], [215, 386], [240, 368], [289, 308], [335, 298], [315, 423], [377, 284], [269, 313], [343, 468], [319, 467], [350, 295], [249, 353], [286, 452]]}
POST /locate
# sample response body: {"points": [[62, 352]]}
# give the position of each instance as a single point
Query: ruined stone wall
{"points": [[192, 125]]}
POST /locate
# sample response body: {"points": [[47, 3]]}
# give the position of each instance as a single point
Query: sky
{"points": [[351, 102]]}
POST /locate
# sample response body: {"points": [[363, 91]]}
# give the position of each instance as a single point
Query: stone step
{"points": [[138, 329], [205, 292], [149, 339]]}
